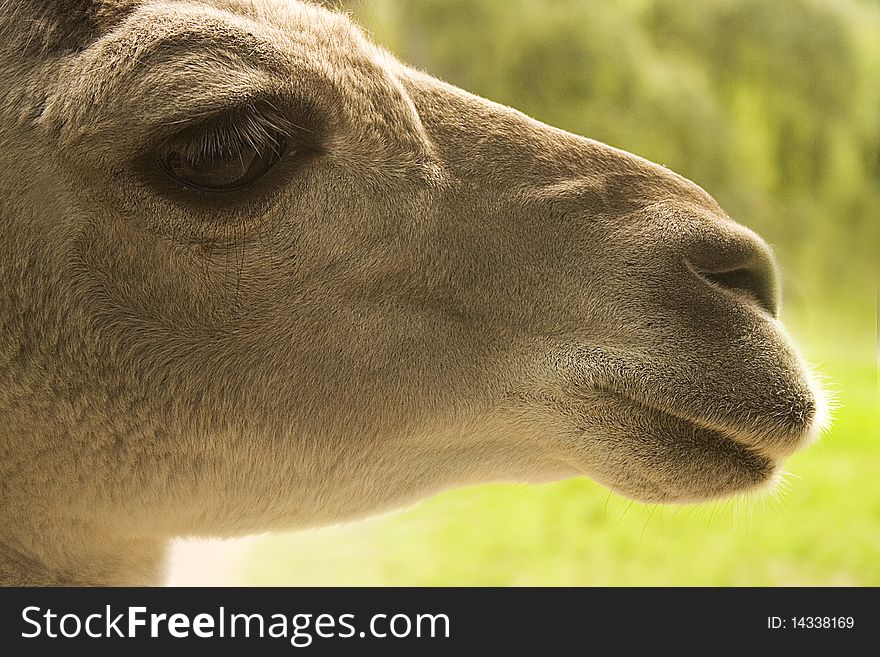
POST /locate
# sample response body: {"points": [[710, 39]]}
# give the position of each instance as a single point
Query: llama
{"points": [[257, 274]]}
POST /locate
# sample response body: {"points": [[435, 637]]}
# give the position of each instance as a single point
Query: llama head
{"points": [[256, 272]]}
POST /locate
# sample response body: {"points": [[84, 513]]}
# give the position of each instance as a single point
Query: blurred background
{"points": [[773, 106]]}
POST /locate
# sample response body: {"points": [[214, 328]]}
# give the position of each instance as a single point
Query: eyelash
{"points": [[249, 126]]}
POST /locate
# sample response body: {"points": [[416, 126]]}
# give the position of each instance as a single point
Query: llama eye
{"points": [[222, 167], [227, 152]]}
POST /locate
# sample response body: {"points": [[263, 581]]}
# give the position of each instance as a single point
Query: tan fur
{"points": [[446, 293]]}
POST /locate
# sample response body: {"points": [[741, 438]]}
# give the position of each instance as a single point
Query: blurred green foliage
{"points": [[773, 106]]}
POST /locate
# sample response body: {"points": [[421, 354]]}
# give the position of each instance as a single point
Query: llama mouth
{"points": [[770, 412], [775, 438], [743, 441], [655, 455]]}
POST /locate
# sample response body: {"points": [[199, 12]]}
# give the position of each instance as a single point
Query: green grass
{"points": [[823, 530]]}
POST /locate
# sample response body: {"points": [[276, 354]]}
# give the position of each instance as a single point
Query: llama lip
{"points": [[742, 439], [689, 461], [776, 438], [648, 453]]}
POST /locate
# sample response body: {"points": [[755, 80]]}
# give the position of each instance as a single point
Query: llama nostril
{"points": [[732, 258], [756, 281]]}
